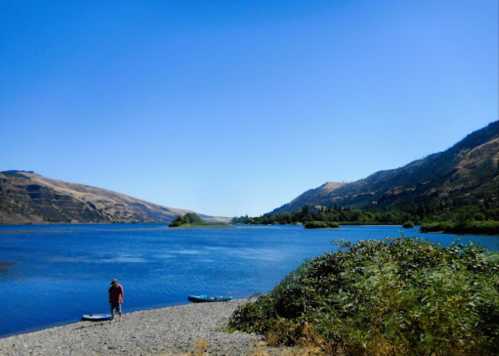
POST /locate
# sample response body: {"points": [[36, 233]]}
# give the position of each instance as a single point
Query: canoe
{"points": [[96, 317], [207, 299]]}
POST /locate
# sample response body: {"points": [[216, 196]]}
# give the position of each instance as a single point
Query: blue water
{"points": [[53, 274]]}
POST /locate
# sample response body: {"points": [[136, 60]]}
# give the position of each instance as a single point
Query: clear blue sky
{"points": [[234, 107]]}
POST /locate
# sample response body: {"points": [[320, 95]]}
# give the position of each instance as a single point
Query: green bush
{"points": [[320, 224], [397, 215], [467, 227], [187, 219], [408, 225], [389, 297], [435, 226]]}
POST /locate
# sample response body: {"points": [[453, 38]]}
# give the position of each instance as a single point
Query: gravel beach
{"points": [[185, 329]]}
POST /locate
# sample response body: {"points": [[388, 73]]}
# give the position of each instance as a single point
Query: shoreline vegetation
{"points": [[466, 220], [467, 227], [320, 224], [391, 297], [194, 220]]}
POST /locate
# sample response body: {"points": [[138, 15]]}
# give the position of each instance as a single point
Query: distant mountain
{"points": [[27, 197], [466, 174]]}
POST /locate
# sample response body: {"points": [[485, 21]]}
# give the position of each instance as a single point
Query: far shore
{"points": [[202, 226]]}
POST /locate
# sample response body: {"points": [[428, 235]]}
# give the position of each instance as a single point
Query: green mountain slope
{"points": [[466, 174]]}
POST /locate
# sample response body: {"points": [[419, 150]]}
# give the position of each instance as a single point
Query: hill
{"points": [[29, 198], [465, 175]]}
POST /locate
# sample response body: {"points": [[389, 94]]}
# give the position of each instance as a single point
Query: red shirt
{"points": [[116, 294]]}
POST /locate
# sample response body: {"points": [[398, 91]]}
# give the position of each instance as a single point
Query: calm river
{"points": [[53, 274]]}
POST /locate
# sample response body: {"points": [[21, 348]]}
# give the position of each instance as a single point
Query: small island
{"points": [[194, 220]]}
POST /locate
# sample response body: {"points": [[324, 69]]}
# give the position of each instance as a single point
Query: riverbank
{"points": [[185, 329], [488, 227]]}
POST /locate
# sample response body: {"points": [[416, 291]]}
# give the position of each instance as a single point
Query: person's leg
{"points": [[119, 309], [114, 308]]}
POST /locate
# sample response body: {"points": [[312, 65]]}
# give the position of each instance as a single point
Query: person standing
{"points": [[116, 297]]}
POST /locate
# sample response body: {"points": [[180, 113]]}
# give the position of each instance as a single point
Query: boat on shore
{"points": [[207, 299], [96, 317]]}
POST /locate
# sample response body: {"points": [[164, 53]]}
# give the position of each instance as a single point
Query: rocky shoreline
{"points": [[193, 329]]}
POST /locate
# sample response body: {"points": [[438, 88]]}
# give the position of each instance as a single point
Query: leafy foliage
{"points": [[320, 224], [463, 220], [187, 219], [408, 225], [401, 296], [467, 227], [336, 214]]}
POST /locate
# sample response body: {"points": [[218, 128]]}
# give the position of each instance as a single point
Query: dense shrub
{"points": [[476, 219], [408, 225], [187, 219], [329, 214], [436, 226], [467, 227], [320, 224], [389, 297]]}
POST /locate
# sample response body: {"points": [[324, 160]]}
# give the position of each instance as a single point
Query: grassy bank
{"points": [[385, 298], [468, 227]]}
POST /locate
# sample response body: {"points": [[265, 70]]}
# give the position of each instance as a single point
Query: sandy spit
{"points": [[193, 329]]}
